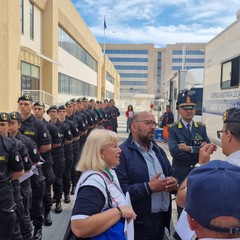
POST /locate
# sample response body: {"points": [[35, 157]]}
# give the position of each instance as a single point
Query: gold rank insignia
{"points": [[225, 115], [14, 115], [4, 117], [27, 96]]}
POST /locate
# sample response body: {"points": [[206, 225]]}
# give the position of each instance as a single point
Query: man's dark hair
{"points": [[234, 128]]}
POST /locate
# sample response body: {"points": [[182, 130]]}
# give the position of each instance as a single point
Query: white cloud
{"points": [[158, 21]]}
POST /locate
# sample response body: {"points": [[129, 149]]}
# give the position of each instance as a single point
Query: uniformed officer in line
{"points": [[80, 112], [116, 114], [23, 151], [11, 169], [26, 190], [58, 155], [107, 115], [47, 167], [68, 152], [76, 144], [37, 131], [186, 137]]}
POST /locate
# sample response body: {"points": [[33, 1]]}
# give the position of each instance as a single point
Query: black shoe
{"points": [[67, 198], [58, 208], [47, 219], [73, 190], [37, 234]]}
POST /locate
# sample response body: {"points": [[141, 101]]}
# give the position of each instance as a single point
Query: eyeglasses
{"points": [[148, 123], [219, 133]]}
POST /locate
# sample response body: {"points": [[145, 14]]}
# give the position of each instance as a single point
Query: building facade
{"points": [[46, 48]]}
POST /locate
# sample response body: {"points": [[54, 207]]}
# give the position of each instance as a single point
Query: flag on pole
{"points": [[105, 24]]}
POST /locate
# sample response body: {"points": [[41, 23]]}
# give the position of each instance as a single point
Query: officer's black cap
{"points": [[53, 107], [68, 103], [4, 117], [84, 99], [73, 100], [61, 107], [105, 101], [231, 115], [40, 103], [79, 100], [97, 102], [15, 116], [186, 99], [25, 97], [92, 100]]}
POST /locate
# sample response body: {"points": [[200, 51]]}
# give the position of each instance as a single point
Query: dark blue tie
{"points": [[189, 130]]}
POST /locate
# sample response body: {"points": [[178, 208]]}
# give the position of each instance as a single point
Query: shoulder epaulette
{"points": [[173, 124], [201, 124]]}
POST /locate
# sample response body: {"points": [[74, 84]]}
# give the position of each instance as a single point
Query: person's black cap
{"points": [[231, 115], [73, 100], [4, 117], [79, 100], [68, 103], [61, 107], [186, 99], [40, 103], [25, 97], [105, 101], [53, 107], [84, 99], [15, 116]]}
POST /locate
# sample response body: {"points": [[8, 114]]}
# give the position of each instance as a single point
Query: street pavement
{"points": [[60, 221]]}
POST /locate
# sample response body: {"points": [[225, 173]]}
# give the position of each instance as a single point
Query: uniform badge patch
{"points": [[17, 158]]}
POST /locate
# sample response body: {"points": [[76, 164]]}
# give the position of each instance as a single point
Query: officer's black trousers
{"points": [[76, 156], [38, 191], [68, 155], [50, 179]]}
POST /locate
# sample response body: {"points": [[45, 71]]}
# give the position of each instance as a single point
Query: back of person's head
{"points": [[98, 140], [212, 200], [231, 118]]}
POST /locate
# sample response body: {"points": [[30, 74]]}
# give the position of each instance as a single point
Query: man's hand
{"points": [[156, 184], [205, 152], [171, 184], [184, 147]]}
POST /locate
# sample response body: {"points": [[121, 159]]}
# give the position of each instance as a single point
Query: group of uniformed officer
{"points": [[38, 159]]}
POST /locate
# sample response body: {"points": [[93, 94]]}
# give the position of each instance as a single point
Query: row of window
{"points": [[73, 86], [110, 78], [31, 18], [176, 68], [66, 42], [109, 51], [122, 67], [188, 52], [138, 83], [113, 59], [133, 75], [188, 60], [132, 90]]}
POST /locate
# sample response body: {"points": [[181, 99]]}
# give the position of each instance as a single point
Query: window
{"points": [[30, 77], [73, 86], [66, 42], [230, 73], [110, 78], [31, 21], [109, 51], [22, 16]]}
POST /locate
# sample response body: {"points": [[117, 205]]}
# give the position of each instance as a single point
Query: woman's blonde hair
{"points": [[98, 140]]}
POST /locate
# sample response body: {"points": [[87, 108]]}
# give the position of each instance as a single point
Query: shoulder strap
{"points": [[108, 193]]}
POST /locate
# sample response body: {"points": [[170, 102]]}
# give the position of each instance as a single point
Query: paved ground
{"points": [[60, 221]]}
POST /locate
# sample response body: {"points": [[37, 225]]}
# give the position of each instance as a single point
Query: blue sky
{"points": [[159, 22]]}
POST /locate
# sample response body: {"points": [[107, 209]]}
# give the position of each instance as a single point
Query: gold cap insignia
{"points": [[14, 115], [225, 115], [27, 96], [188, 99], [4, 117]]}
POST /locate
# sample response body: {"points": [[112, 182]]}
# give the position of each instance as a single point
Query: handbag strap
{"points": [[109, 199]]}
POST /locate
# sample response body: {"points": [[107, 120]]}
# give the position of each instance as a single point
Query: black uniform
{"points": [[68, 155], [26, 190], [10, 161], [23, 151], [58, 159], [37, 131]]}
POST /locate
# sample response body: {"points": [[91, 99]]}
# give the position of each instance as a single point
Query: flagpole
{"points": [[104, 28]]}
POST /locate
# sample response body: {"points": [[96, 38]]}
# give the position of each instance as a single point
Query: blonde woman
{"points": [[92, 214]]}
